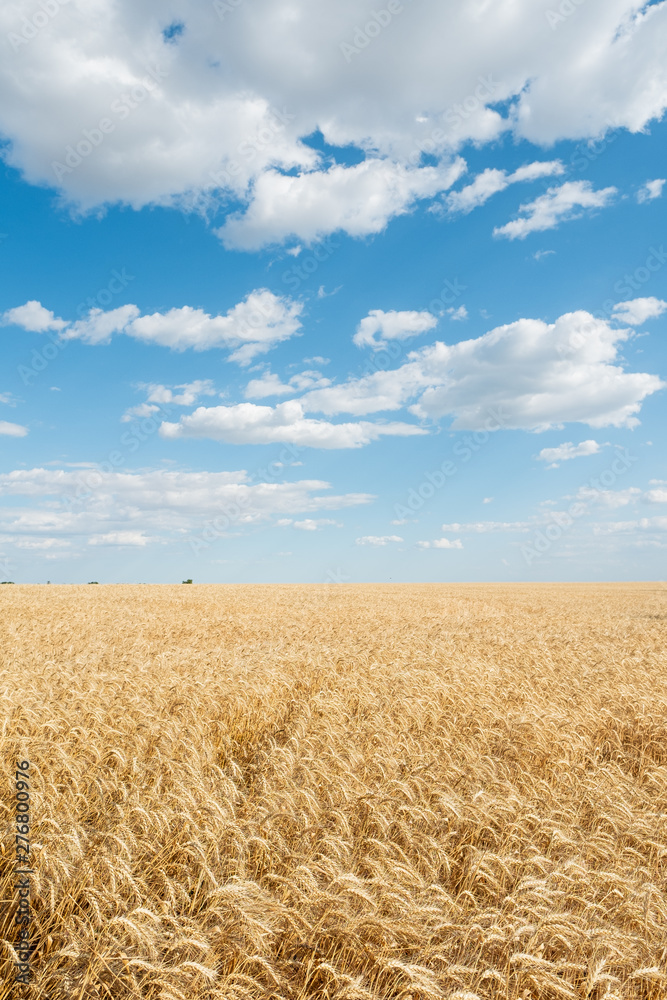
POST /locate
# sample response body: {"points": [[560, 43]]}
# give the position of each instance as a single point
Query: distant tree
{"points": [[92, 581], [187, 581]]}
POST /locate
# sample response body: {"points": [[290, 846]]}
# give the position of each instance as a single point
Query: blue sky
{"points": [[303, 294]]}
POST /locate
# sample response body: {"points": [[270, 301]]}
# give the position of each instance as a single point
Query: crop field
{"points": [[346, 792]]}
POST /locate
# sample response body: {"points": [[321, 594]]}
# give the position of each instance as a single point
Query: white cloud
{"points": [[656, 496], [492, 181], [34, 317], [539, 374], [652, 524], [40, 544], [131, 538], [248, 423], [528, 374], [487, 500], [191, 391], [441, 543], [609, 498], [558, 204], [651, 190], [309, 523], [12, 430], [360, 199], [391, 325], [566, 451], [383, 390], [485, 527], [637, 311], [270, 384], [161, 396], [99, 326], [203, 120], [458, 314], [377, 540], [251, 327], [85, 506]]}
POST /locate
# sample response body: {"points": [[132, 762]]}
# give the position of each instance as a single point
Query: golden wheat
{"points": [[346, 792]]}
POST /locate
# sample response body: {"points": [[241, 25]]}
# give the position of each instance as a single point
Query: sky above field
{"points": [[313, 292]]}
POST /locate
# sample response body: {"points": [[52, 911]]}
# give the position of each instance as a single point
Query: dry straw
{"points": [[340, 792]]}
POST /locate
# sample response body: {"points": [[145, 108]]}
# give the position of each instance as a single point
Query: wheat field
{"points": [[359, 792]]}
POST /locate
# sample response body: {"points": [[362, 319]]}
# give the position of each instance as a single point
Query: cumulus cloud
{"points": [[441, 543], [252, 327], [377, 541], [222, 107], [637, 311], [12, 430], [74, 508], [566, 451], [122, 538], [99, 326], [492, 181], [528, 374], [558, 204], [249, 328], [360, 199], [270, 385], [458, 314], [656, 496], [391, 325], [161, 396], [248, 423], [33, 317], [651, 190]]}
